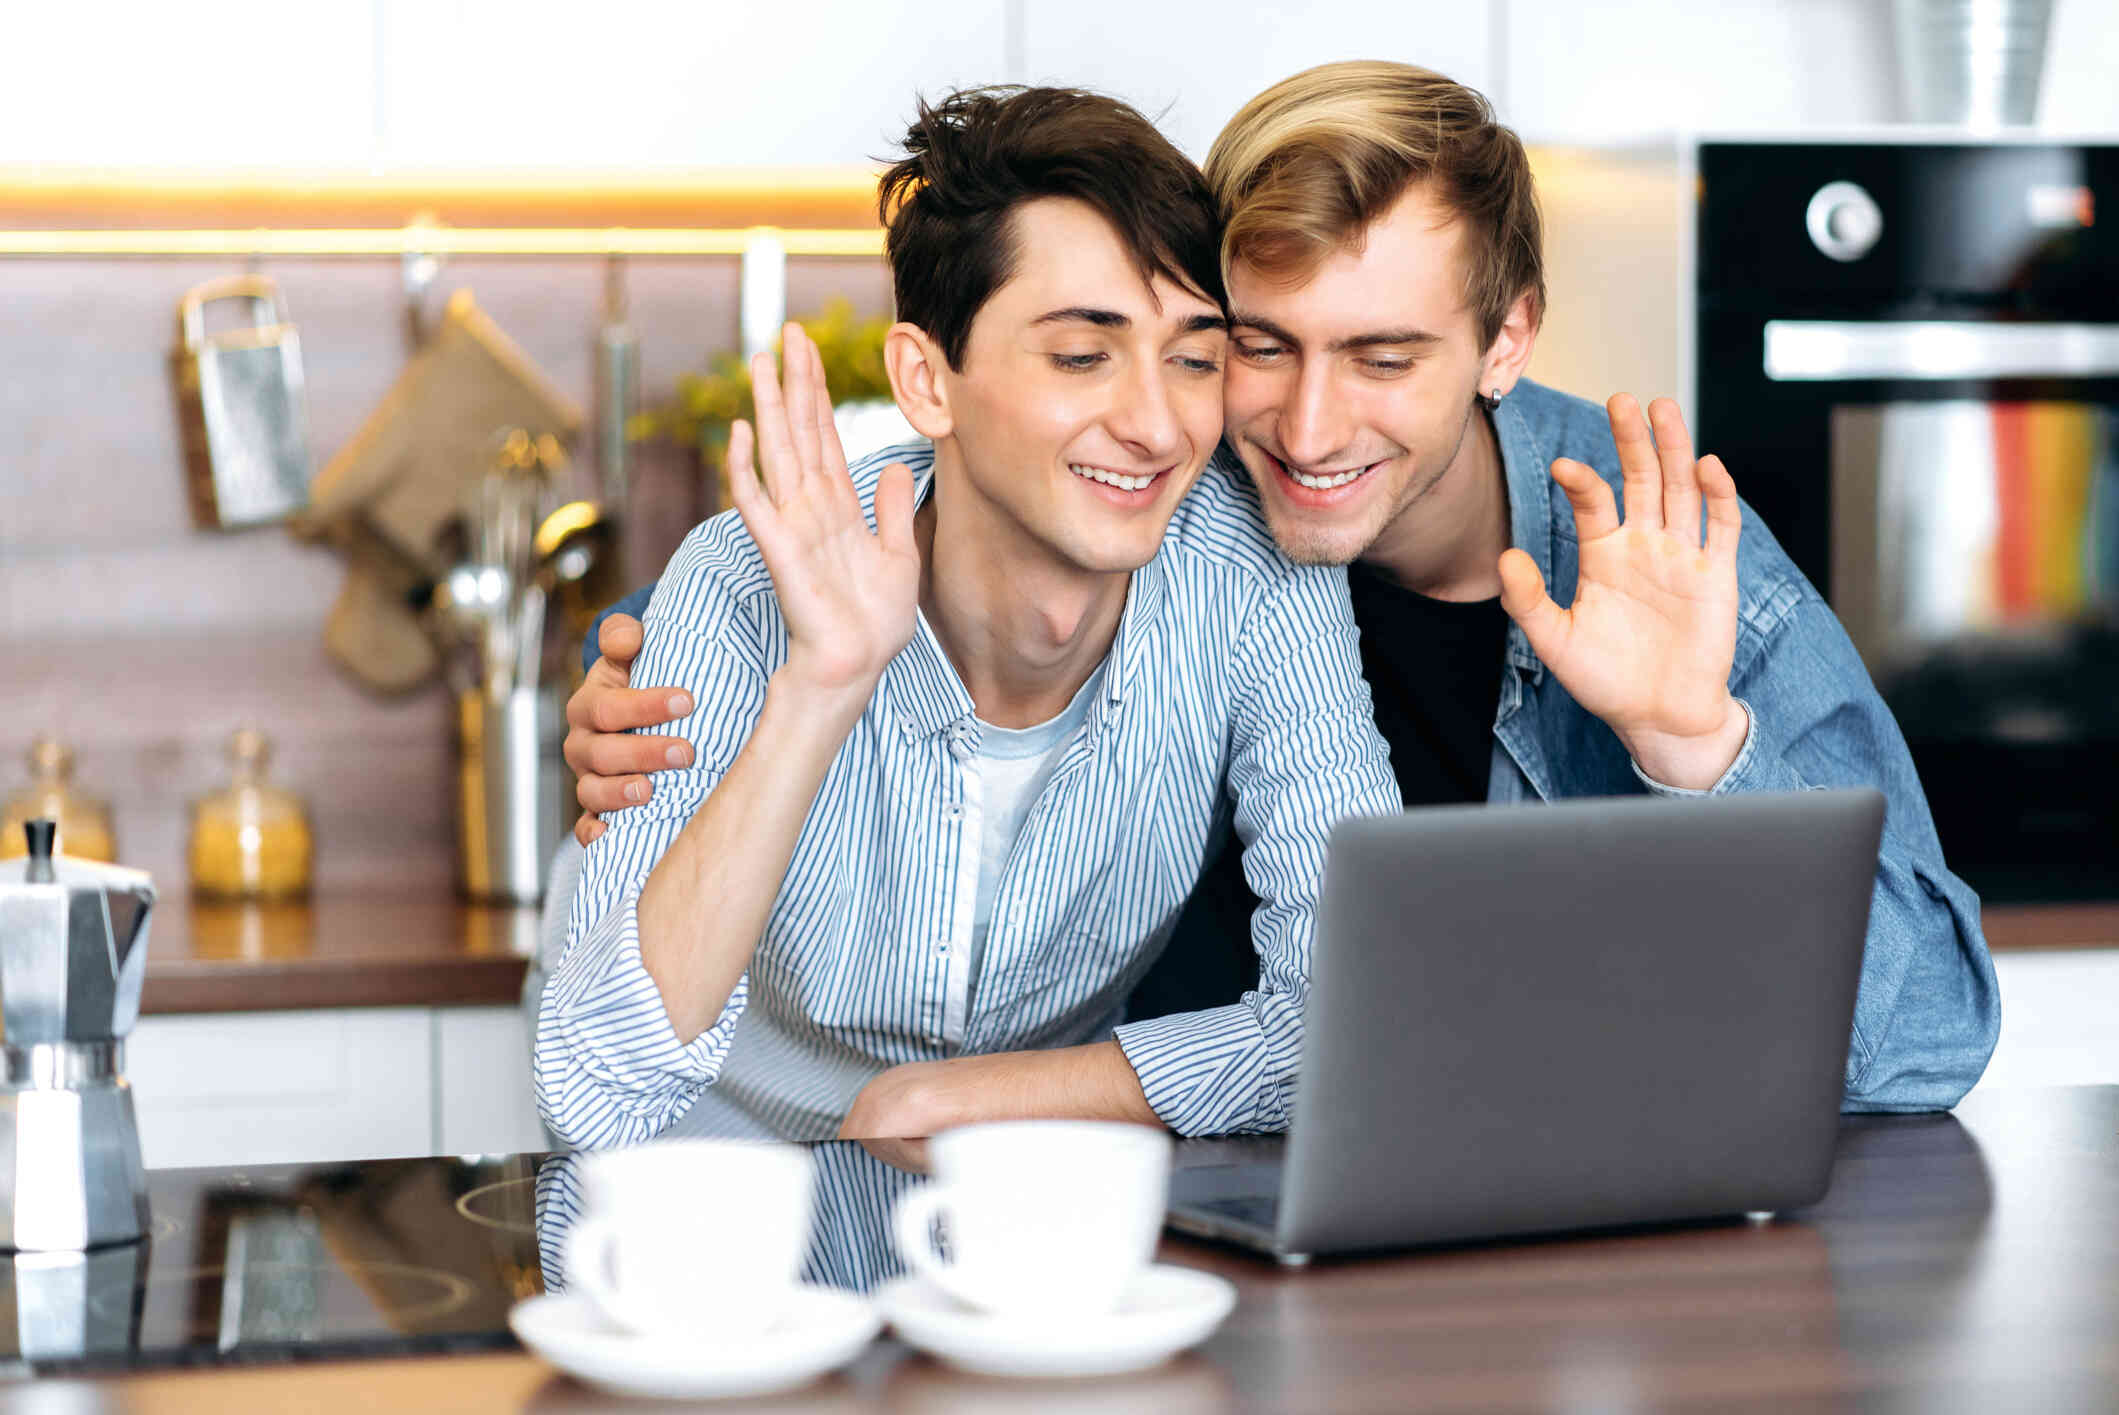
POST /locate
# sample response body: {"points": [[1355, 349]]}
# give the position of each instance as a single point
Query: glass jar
{"points": [[250, 839], [85, 830]]}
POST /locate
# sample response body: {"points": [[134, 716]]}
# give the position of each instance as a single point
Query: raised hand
{"points": [[1648, 642], [850, 595]]}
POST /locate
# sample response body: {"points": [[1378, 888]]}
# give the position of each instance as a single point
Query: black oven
{"points": [[1908, 353]]}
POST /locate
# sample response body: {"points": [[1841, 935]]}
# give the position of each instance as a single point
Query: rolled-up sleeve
{"points": [[1304, 755], [608, 1066]]}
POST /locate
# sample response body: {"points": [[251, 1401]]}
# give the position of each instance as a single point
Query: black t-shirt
{"points": [[1434, 670]]}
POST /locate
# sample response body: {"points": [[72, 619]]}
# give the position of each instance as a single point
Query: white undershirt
{"points": [[1014, 764]]}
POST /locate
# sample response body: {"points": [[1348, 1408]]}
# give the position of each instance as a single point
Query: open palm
{"points": [[850, 595], [1648, 642]]}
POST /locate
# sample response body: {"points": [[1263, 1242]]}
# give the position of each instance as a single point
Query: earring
{"points": [[1491, 400]]}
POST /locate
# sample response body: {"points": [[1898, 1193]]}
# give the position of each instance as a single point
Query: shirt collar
{"points": [[1530, 525], [922, 694]]}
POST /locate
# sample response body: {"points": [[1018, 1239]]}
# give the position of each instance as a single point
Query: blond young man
{"points": [[1522, 639]]}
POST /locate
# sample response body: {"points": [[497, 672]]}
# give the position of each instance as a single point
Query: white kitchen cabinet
{"points": [[228, 1088], [276, 1087], [1191, 67], [2059, 1019], [483, 1101]]}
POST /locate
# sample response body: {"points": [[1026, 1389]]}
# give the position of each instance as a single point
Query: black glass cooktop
{"points": [[377, 1258]]}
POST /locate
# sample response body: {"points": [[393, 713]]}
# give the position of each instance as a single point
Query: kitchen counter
{"points": [[425, 949], [1939, 1272], [338, 950], [2016, 927]]}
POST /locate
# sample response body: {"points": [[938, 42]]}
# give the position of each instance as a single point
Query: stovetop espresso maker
{"points": [[73, 954]]}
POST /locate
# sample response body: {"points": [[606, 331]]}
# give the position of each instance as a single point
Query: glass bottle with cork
{"points": [[250, 839], [85, 830]]}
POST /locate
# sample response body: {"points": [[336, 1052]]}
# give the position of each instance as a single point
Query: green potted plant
{"points": [[708, 403]]}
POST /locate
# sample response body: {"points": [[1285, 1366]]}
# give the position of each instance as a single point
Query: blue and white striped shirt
{"points": [[1234, 684]]}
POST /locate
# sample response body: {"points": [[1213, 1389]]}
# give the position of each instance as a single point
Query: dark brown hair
{"points": [[972, 158]]}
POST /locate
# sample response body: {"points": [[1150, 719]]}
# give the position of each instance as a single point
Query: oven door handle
{"points": [[1830, 351]]}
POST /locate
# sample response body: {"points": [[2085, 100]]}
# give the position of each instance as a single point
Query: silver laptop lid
{"points": [[1535, 1018]]}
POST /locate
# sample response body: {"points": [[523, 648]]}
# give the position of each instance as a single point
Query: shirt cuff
{"points": [[1207, 1073], [605, 1023], [1730, 780]]}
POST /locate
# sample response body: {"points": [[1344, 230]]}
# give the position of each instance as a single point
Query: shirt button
{"points": [[942, 948], [905, 724], [952, 812]]}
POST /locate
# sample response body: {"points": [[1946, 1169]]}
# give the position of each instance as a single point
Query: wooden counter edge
{"points": [[302, 983], [2012, 927]]}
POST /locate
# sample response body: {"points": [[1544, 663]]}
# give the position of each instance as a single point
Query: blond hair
{"points": [[1304, 168]]}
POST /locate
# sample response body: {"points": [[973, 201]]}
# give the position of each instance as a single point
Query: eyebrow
{"points": [[1418, 338], [1112, 319]]}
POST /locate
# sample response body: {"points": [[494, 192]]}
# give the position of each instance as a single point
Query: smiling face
{"points": [[1087, 399], [1350, 396]]}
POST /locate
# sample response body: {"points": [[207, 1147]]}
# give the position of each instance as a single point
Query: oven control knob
{"points": [[1844, 220]]}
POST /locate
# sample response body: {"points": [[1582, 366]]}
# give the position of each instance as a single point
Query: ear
{"points": [[918, 380], [1510, 353]]}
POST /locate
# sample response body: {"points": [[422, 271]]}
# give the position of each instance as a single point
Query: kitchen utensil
{"points": [[1975, 62], [617, 394], [1045, 1217], [655, 1261], [239, 395], [823, 1329], [1167, 1309], [511, 809], [572, 541], [73, 953]]}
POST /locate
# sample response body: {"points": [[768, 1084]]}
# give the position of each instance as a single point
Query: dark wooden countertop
{"points": [[1966, 1262], [2019, 926], [424, 949], [338, 950]]}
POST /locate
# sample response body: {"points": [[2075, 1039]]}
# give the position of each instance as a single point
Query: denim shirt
{"points": [[1929, 1010]]}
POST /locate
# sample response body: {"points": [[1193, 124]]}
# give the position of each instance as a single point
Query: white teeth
{"points": [[1324, 483], [1112, 478]]}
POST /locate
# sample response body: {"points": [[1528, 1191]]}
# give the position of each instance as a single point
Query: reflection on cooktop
{"points": [[384, 1257], [507, 1204]]}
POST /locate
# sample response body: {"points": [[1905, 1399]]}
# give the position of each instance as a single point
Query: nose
{"points": [[1145, 417], [1311, 429]]}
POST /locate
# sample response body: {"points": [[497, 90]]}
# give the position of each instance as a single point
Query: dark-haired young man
{"points": [[961, 724]]}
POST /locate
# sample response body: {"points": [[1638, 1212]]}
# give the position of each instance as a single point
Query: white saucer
{"points": [[824, 1328], [1167, 1310]]}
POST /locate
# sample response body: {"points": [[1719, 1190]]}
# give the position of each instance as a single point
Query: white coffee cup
{"points": [[700, 1239], [1041, 1216]]}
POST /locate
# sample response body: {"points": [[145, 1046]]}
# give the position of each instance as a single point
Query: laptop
{"points": [[1545, 1018]]}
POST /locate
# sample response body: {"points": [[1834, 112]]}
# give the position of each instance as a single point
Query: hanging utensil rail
{"points": [[441, 240]]}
